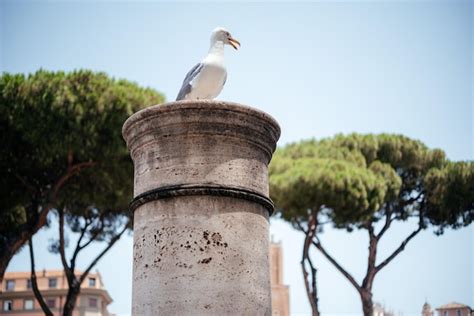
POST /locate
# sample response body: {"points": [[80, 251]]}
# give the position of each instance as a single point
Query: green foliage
{"points": [[355, 179], [450, 192], [58, 126], [52, 112]]}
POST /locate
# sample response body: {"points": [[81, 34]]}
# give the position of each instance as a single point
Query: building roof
{"points": [[453, 305], [61, 287], [44, 273]]}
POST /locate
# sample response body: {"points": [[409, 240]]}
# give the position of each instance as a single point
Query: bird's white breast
{"points": [[210, 81]]}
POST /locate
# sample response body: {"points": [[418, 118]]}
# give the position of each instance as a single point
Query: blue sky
{"points": [[319, 68]]}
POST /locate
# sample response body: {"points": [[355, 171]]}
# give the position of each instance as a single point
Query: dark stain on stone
{"points": [[216, 237], [182, 265], [205, 261], [146, 265], [207, 306]]}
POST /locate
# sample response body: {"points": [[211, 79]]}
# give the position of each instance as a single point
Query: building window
{"points": [[10, 285], [93, 302], [445, 313], [28, 284], [51, 302], [458, 312], [91, 282], [53, 282], [7, 305], [28, 304]]}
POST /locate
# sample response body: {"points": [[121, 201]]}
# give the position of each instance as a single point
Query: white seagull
{"points": [[206, 79]]}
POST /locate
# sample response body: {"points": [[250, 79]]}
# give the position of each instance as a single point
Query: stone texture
{"points": [[205, 142], [202, 251]]}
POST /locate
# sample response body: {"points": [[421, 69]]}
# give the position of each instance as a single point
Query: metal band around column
{"points": [[183, 190]]}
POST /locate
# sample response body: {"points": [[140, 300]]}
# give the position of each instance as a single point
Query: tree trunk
{"points": [[38, 219], [34, 282], [367, 304], [71, 298], [366, 290], [315, 293], [311, 289], [15, 242], [4, 260]]}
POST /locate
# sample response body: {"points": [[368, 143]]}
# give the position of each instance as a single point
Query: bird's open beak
{"points": [[235, 43]]}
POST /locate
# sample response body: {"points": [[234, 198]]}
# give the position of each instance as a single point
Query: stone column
{"points": [[201, 208]]}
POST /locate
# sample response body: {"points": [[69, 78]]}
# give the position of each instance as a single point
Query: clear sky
{"points": [[319, 68]]}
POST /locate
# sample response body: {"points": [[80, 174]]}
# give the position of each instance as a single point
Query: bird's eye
{"points": [[227, 33]]}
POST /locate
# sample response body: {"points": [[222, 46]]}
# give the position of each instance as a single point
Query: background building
{"points": [[427, 311], [17, 298], [280, 292], [381, 310], [454, 309]]}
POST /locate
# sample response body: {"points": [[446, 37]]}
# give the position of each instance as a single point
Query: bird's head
{"points": [[221, 34]]}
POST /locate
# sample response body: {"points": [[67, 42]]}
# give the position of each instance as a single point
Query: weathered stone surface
{"points": [[204, 255], [201, 142], [201, 208]]}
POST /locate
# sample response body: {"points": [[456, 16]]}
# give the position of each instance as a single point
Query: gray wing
{"points": [[186, 87]]}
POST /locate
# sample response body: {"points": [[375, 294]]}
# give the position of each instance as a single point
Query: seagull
{"points": [[207, 78]]}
